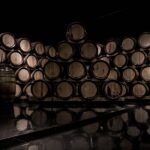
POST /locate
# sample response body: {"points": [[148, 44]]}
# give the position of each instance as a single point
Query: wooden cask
{"points": [[38, 48]]}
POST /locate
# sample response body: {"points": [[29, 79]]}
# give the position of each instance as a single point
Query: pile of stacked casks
{"points": [[80, 69]]}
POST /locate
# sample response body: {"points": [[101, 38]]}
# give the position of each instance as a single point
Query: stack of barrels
{"points": [[78, 69]]}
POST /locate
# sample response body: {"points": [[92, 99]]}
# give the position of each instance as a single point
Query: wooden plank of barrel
{"points": [[144, 40], [31, 61], [40, 89], [129, 74], [112, 89], [2, 55], [78, 142], [24, 45], [100, 69], [51, 51], [52, 70], [120, 60], [7, 83], [76, 70], [115, 124], [141, 115], [64, 89], [38, 48], [39, 118], [138, 58], [34, 147], [139, 89], [65, 50], [23, 74], [88, 89], [8, 40], [92, 128], [145, 73], [63, 117], [128, 44], [76, 33], [15, 58], [88, 50], [111, 47], [104, 142]]}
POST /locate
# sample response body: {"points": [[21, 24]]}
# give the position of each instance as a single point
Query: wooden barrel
{"points": [[2, 55], [24, 45], [128, 44], [27, 90], [15, 58], [51, 51], [63, 117], [40, 89], [31, 61], [144, 40], [104, 142], [88, 50], [88, 89], [125, 144], [18, 92], [139, 89], [76, 70], [22, 124], [52, 70], [112, 89], [120, 60], [23, 74], [37, 74], [129, 74], [8, 40], [38, 48], [42, 62], [91, 128], [64, 89], [39, 118], [65, 50], [145, 73], [138, 58], [7, 83], [76, 32], [111, 47], [115, 124], [114, 74], [100, 69], [141, 115], [133, 132], [78, 142]]}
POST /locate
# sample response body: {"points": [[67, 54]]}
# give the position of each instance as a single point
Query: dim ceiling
{"points": [[48, 22]]}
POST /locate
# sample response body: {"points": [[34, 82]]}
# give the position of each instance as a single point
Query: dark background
{"points": [[47, 21]]}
